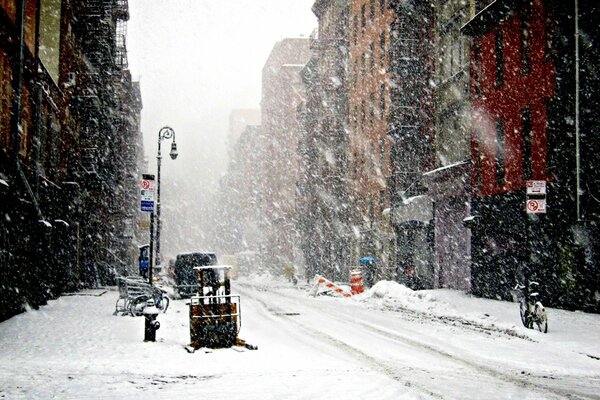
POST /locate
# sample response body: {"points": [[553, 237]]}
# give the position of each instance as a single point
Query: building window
{"points": [[525, 46], [382, 6], [382, 154], [372, 55], [382, 48], [363, 115], [477, 64], [382, 100], [355, 24], [363, 64], [363, 16], [371, 108], [477, 167], [527, 131], [499, 58], [372, 16], [372, 160], [500, 142]]}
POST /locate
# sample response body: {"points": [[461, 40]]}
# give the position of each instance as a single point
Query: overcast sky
{"points": [[196, 60]]}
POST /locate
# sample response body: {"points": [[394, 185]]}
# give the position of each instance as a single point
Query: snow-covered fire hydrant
{"points": [[151, 324]]}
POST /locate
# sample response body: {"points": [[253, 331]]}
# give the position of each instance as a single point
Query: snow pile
{"points": [[394, 295], [389, 295]]}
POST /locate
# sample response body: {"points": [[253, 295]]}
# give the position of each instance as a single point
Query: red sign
{"points": [[536, 206]]}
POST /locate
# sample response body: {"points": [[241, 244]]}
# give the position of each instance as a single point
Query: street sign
{"points": [[536, 187], [536, 206], [535, 198], [147, 193]]}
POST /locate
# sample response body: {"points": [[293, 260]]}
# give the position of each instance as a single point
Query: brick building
{"points": [[534, 99], [66, 138]]}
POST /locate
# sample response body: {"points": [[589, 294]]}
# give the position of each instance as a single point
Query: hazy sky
{"points": [[196, 60]]}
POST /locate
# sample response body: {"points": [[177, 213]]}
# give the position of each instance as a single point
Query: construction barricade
{"points": [[356, 282], [321, 284]]}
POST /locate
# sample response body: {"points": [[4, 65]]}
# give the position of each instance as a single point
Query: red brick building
{"points": [[533, 102]]}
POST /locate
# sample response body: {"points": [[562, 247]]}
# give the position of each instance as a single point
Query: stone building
{"points": [[282, 92]]}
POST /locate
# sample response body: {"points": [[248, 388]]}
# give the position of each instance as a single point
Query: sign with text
{"points": [[147, 193], [535, 202], [536, 187]]}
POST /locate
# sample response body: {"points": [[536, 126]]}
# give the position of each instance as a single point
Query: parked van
{"points": [[185, 277]]}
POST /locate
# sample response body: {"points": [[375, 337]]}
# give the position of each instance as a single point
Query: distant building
{"points": [[323, 202], [282, 92], [239, 119]]}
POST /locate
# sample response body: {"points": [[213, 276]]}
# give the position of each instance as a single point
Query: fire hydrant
{"points": [[151, 324]]}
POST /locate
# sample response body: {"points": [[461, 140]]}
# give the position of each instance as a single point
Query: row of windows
{"points": [[360, 114], [363, 17], [372, 59], [526, 156], [499, 53], [375, 159]]}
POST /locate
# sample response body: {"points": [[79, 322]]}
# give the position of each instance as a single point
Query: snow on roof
{"points": [[433, 171], [46, 223], [410, 200], [213, 267]]}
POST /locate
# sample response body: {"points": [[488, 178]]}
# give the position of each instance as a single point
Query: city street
{"points": [[387, 343]]}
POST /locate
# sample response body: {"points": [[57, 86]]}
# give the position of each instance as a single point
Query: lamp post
{"points": [[164, 133]]}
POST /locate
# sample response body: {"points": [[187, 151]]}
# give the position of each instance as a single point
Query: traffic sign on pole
{"points": [[147, 193], [535, 201]]}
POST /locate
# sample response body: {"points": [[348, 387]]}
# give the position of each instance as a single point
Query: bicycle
{"points": [[159, 295], [531, 309]]}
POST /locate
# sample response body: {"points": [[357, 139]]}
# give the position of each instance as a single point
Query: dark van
{"points": [[185, 277]]}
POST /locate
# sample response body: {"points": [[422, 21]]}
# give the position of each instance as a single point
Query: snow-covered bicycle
{"points": [[159, 295], [531, 308]]}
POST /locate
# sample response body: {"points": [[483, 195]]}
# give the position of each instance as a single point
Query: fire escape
{"points": [[407, 114], [100, 28]]}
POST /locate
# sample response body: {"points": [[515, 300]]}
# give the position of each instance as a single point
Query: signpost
{"points": [[147, 192], [147, 205], [535, 202]]}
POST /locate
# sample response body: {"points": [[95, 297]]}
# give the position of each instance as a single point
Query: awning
{"points": [[417, 209]]}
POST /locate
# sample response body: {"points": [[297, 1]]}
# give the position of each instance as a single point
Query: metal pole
{"points": [[158, 158], [150, 265], [577, 143]]}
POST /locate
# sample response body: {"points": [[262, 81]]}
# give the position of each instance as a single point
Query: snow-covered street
{"points": [[387, 343]]}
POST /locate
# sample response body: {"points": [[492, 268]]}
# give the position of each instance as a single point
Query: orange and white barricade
{"points": [[326, 285], [356, 282]]}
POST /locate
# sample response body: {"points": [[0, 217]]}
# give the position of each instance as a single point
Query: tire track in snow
{"points": [[378, 365], [387, 334]]}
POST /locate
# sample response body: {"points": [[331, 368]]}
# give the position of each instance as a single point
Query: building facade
{"points": [[282, 92], [323, 202], [533, 92], [66, 102], [448, 182]]}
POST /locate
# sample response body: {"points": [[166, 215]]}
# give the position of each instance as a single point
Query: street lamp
{"points": [[164, 133]]}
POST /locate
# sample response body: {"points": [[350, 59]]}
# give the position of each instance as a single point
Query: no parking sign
{"points": [[535, 202], [147, 193]]}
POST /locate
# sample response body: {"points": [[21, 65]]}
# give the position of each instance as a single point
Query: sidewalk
{"points": [[577, 330]]}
